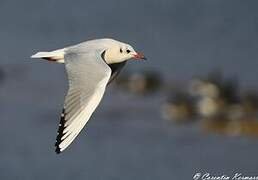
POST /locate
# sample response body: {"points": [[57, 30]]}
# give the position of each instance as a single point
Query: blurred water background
{"points": [[126, 138]]}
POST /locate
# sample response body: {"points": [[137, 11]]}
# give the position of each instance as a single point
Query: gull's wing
{"points": [[88, 76], [116, 69]]}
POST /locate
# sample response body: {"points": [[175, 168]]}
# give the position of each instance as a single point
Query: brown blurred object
{"points": [[223, 109], [249, 101], [212, 95], [179, 107], [141, 83], [232, 128]]}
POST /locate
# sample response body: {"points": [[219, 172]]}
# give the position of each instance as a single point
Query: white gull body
{"points": [[90, 66]]}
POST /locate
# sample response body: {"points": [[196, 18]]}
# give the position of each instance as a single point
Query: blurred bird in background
{"points": [[179, 107], [140, 82], [222, 107], [216, 101]]}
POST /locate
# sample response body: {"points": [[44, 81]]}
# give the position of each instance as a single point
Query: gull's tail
{"points": [[54, 56]]}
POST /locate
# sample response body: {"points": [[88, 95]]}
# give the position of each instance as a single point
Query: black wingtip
{"points": [[57, 150], [60, 132]]}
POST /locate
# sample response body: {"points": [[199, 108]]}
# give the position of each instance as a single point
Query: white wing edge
{"points": [[71, 131]]}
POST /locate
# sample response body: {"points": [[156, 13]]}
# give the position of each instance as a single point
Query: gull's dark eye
{"points": [[121, 50], [128, 51]]}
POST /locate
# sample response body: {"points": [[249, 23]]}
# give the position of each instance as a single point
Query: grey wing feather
{"points": [[116, 69], [88, 76]]}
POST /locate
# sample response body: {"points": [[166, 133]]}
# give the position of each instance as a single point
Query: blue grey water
{"points": [[126, 138]]}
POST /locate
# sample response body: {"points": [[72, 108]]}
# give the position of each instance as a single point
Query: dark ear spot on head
{"points": [[121, 50]]}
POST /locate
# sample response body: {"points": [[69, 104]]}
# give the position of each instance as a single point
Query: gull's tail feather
{"points": [[55, 56]]}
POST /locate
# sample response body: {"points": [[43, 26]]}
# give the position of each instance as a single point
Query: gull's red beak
{"points": [[139, 56]]}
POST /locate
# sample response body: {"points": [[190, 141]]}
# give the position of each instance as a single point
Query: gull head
{"points": [[118, 52]]}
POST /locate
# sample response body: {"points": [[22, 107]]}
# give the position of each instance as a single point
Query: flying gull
{"points": [[90, 66]]}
